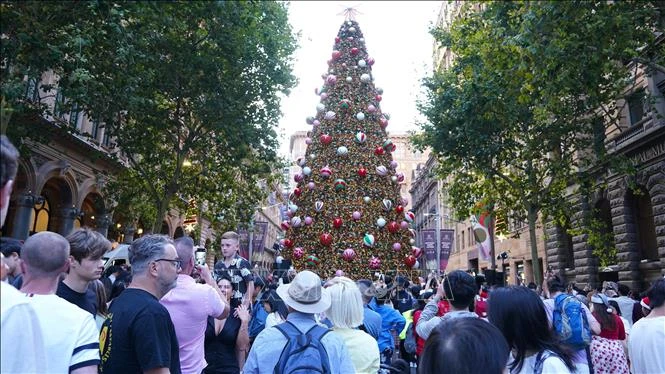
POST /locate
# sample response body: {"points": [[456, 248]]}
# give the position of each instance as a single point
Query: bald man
{"points": [[70, 334]]}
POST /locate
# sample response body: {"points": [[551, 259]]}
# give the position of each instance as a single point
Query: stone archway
{"points": [[93, 211], [58, 196]]}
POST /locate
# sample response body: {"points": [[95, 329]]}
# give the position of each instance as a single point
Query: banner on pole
{"points": [[258, 240], [447, 238], [482, 236], [428, 243]]}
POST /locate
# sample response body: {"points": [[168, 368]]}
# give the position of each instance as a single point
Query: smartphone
{"points": [[200, 258]]}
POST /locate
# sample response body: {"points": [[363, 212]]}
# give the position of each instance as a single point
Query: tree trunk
{"points": [[532, 216], [161, 211]]}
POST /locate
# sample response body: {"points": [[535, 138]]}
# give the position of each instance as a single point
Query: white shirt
{"points": [[22, 345], [70, 334], [273, 319], [552, 365], [646, 345]]}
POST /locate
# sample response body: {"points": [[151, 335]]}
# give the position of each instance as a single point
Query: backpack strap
{"points": [[288, 329], [317, 332]]}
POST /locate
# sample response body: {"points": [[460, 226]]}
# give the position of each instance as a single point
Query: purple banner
{"points": [[428, 243], [258, 240], [447, 240]]}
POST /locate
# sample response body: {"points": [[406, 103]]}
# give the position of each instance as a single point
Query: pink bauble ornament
{"points": [[339, 273], [393, 164], [308, 220], [331, 80], [349, 254], [311, 185], [298, 178], [308, 141], [371, 108], [298, 253], [356, 215], [336, 54], [354, 51], [326, 172], [397, 246], [316, 122], [383, 122], [404, 225], [374, 263], [330, 115], [370, 61], [324, 96], [416, 252]]}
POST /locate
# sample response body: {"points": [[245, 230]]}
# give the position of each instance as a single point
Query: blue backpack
{"points": [[303, 353], [570, 322]]}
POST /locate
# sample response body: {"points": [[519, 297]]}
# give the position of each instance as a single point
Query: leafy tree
{"points": [[514, 117], [189, 91]]}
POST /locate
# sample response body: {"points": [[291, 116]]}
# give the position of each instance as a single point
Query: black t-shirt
{"points": [[86, 301], [220, 350], [138, 335]]}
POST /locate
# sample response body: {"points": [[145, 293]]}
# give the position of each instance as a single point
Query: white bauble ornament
{"points": [[362, 63], [307, 170], [342, 151], [349, 79], [360, 116], [352, 29], [320, 107], [365, 78], [367, 199]]}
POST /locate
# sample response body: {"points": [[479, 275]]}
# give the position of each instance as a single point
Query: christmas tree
{"points": [[346, 213]]}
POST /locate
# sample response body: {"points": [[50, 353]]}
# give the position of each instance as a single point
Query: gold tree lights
{"points": [[346, 213]]}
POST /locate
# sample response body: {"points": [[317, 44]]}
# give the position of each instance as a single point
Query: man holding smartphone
{"points": [[190, 304]]}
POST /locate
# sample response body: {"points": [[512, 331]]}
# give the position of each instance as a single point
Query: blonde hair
{"points": [[346, 308]]}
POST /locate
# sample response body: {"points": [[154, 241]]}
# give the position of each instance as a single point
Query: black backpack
{"points": [[303, 353]]}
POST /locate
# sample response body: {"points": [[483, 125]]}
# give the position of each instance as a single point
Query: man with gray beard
{"points": [[138, 336]]}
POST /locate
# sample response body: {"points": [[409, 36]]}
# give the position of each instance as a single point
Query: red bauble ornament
{"points": [[336, 54], [354, 51], [337, 222], [337, 39], [399, 209], [409, 261], [379, 151], [288, 243], [393, 227], [285, 225], [326, 239], [362, 172], [298, 178], [378, 97], [297, 191], [325, 139], [416, 251]]}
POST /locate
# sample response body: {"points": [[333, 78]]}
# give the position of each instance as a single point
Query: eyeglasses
{"points": [[177, 263]]}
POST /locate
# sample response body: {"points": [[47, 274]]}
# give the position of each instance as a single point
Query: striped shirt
{"points": [[71, 337]]}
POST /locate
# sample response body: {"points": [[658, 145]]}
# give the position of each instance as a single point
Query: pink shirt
{"points": [[189, 305]]}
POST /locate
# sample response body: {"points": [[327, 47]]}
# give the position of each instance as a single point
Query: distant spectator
{"points": [[276, 309], [391, 320], [258, 321], [459, 288], [11, 249], [371, 319], [607, 353], [625, 304], [422, 301], [464, 346], [648, 334]]}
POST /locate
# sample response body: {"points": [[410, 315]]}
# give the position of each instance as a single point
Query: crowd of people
{"points": [[165, 313]]}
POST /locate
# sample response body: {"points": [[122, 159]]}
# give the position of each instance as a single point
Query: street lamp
{"points": [[437, 217]]}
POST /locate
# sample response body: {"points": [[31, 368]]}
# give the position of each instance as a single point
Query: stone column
{"points": [[25, 205], [586, 267], [67, 218], [103, 223], [625, 236]]}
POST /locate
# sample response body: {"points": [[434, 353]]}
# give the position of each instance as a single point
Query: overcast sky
{"points": [[396, 35]]}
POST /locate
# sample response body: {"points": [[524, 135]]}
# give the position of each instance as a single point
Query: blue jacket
{"points": [[258, 321], [390, 320]]}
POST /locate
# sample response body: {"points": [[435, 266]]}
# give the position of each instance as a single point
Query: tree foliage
{"points": [[189, 91], [514, 118]]}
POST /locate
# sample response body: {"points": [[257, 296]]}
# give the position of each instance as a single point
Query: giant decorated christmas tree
{"points": [[346, 212]]}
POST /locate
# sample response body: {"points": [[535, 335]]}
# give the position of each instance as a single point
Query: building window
{"points": [[94, 131], [32, 90], [105, 140], [636, 107], [40, 216], [74, 116], [59, 103], [599, 136], [640, 204]]}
